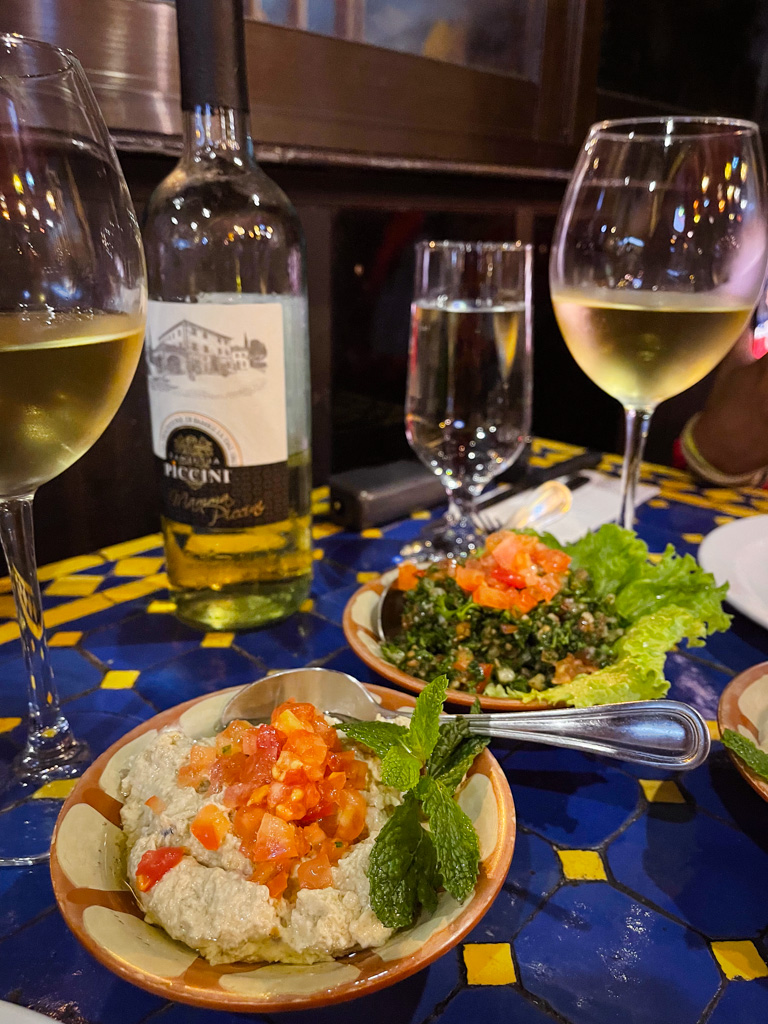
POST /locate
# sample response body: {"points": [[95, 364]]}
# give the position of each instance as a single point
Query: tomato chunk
{"points": [[469, 579], [351, 818], [156, 863], [315, 873], [155, 804], [210, 826], [408, 576], [276, 839], [198, 768], [493, 597]]}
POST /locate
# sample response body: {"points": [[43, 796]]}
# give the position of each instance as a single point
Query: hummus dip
{"points": [[208, 900]]}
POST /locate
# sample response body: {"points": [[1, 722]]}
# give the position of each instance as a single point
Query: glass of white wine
{"points": [[72, 311], [658, 259], [468, 402]]}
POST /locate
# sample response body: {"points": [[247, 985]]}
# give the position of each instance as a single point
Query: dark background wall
{"points": [[377, 149]]}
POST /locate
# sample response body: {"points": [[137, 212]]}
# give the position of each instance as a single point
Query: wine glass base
{"points": [[445, 539], [27, 812]]}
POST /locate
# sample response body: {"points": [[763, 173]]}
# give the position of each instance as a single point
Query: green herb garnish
{"points": [[427, 761], [750, 753]]}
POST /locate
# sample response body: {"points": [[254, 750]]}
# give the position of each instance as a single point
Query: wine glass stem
{"points": [[461, 505], [50, 740], [636, 431]]}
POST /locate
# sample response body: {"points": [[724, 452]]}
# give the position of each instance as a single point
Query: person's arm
{"points": [[727, 442]]}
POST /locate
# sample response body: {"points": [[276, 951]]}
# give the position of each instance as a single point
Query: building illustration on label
{"points": [[189, 350]]}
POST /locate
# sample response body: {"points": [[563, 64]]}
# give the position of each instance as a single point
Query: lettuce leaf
{"points": [[678, 581], [613, 557], [638, 672], [617, 561]]}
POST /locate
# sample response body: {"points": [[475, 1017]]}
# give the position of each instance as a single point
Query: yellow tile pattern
{"points": [[693, 538], [723, 520], [161, 607], [73, 586], [119, 679], [489, 963], [59, 789], [6, 724], [658, 792], [372, 533], [138, 566], [7, 607], [136, 588], [63, 613], [318, 554], [740, 959], [321, 493], [421, 513], [217, 640], [714, 729], [65, 639], [307, 606], [582, 865], [132, 547], [658, 503], [655, 557], [68, 566], [321, 530], [366, 577]]}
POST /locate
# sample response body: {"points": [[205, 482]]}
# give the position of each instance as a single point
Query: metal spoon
{"points": [[548, 502], [660, 733]]}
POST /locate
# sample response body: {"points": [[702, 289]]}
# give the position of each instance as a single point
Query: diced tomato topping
{"points": [[408, 576], [201, 759], [315, 873], [469, 579], [275, 840], [210, 826], [156, 863], [289, 790], [493, 597], [509, 579], [246, 822], [155, 804], [230, 741], [351, 817]]}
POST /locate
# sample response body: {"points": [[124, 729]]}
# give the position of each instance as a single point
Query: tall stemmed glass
{"points": [[72, 309], [658, 258], [468, 403]]}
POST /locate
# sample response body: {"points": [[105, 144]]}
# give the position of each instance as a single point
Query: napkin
{"points": [[593, 504]]}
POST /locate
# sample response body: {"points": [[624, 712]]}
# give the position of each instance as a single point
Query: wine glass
{"points": [[658, 258], [72, 311], [468, 403]]}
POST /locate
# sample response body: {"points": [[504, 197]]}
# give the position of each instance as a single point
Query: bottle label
{"points": [[216, 374]]}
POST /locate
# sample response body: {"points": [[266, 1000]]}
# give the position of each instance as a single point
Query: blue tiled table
{"points": [[633, 896]]}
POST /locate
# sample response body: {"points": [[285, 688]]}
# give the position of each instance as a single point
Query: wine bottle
{"points": [[227, 350]]}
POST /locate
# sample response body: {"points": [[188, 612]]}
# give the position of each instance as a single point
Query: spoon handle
{"points": [[659, 733]]}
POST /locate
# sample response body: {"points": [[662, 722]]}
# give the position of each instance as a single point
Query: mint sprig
{"points": [[429, 843]]}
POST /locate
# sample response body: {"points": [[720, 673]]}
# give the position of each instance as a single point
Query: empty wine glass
{"points": [[72, 310], [468, 403], [658, 259]]}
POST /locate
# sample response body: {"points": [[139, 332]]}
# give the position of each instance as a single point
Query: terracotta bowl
{"points": [[743, 707], [359, 624], [88, 871]]}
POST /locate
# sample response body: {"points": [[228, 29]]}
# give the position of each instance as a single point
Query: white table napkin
{"points": [[594, 503]]}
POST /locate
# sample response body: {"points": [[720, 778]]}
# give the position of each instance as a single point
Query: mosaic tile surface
{"points": [[633, 896]]}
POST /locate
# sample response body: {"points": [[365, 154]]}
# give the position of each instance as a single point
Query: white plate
{"points": [[10, 1013], [737, 553]]}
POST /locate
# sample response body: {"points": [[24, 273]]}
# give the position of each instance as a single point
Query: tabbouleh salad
{"points": [[528, 619]]}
